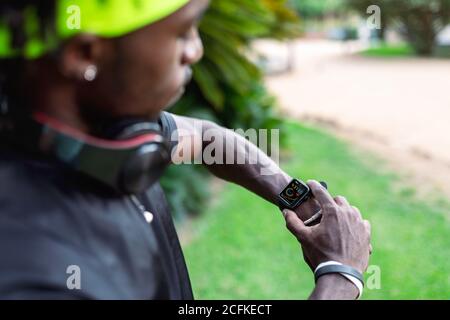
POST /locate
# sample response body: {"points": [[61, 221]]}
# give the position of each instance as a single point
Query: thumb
{"points": [[296, 226]]}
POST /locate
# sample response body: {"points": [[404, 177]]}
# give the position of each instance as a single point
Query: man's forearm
{"points": [[262, 175]]}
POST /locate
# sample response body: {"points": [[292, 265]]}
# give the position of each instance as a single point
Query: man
{"points": [[123, 64]]}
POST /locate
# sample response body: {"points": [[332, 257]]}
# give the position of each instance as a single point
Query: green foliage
{"points": [[228, 88], [316, 9], [187, 190]]}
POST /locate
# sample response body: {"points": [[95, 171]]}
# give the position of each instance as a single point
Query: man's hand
{"points": [[308, 209], [342, 235]]}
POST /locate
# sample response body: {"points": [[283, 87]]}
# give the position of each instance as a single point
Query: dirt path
{"points": [[399, 108]]}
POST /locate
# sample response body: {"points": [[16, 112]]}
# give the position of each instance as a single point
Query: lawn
{"points": [[241, 249], [387, 51]]}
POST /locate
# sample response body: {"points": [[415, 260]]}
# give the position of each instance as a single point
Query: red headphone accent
{"points": [[57, 125]]}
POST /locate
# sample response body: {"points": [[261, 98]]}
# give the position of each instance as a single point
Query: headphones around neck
{"points": [[130, 162]]}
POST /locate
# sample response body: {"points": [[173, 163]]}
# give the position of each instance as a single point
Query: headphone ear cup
{"points": [[144, 167]]}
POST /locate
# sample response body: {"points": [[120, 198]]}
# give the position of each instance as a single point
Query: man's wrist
{"points": [[282, 180], [350, 273], [334, 287]]}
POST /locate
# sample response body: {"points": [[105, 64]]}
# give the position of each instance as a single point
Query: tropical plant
{"points": [[226, 83], [311, 9]]}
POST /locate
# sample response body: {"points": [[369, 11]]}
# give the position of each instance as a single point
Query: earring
{"points": [[91, 73]]}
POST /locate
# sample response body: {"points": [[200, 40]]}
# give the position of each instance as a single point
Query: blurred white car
{"points": [[443, 38]]}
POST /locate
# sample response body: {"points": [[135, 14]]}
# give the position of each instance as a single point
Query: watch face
{"points": [[294, 193]]}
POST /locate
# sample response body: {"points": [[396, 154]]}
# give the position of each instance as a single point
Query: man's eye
{"points": [[189, 34]]}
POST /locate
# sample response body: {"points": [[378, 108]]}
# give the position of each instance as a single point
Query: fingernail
{"points": [[285, 212]]}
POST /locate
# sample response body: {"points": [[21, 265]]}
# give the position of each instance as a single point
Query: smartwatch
{"points": [[295, 194]]}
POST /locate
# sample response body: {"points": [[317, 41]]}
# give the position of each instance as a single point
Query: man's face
{"points": [[148, 70]]}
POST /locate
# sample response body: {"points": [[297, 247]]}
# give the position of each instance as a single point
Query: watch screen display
{"points": [[294, 192]]}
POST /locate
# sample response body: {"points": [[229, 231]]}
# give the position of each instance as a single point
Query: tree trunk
{"points": [[419, 25]]}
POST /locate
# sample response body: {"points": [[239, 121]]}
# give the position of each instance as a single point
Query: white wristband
{"points": [[352, 279]]}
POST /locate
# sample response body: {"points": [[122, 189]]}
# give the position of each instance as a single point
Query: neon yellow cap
{"points": [[105, 18]]}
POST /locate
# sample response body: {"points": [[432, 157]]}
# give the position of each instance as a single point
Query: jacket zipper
{"points": [[147, 214]]}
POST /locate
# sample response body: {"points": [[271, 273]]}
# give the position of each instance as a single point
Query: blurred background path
{"points": [[397, 107]]}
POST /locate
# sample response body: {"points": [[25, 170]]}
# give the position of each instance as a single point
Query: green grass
{"points": [[388, 51], [241, 249]]}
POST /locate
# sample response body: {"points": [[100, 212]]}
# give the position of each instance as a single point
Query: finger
{"points": [[342, 201], [296, 225], [306, 258], [368, 227], [308, 209], [358, 213], [321, 194], [356, 209]]}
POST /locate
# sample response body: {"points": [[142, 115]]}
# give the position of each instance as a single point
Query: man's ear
{"points": [[81, 54]]}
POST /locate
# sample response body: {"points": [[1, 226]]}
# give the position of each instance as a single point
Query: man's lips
{"points": [[182, 89], [188, 76]]}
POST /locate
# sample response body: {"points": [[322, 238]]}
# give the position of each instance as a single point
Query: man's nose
{"points": [[193, 51]]}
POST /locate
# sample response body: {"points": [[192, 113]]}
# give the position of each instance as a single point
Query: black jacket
{"points": [[52, 218]]}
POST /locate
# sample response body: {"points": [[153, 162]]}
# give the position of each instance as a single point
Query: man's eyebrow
{"points": [[201, 14], [195, 17]]}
